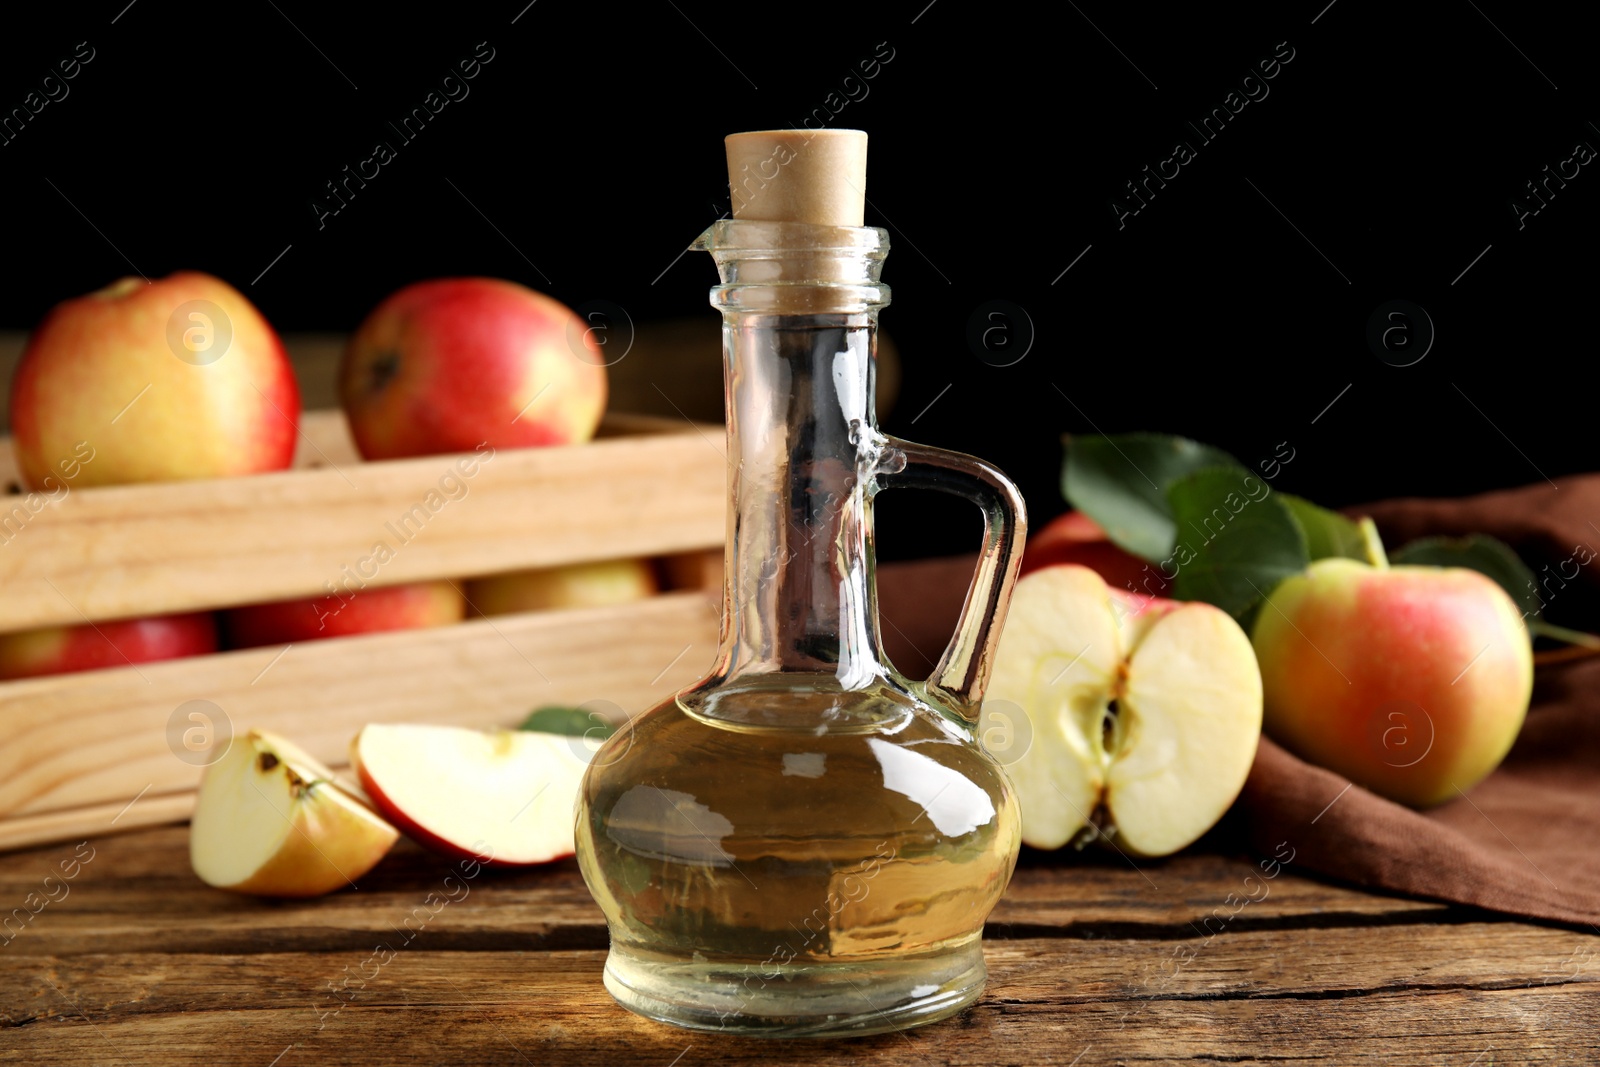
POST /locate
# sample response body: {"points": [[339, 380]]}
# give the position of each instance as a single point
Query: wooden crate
{"points": [[89, 752]]}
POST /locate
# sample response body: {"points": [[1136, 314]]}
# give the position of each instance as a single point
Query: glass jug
{"points": [[807, 843]]}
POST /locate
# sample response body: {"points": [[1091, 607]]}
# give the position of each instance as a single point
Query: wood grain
{"points": [[123, 551], [141, 964], [67, 824], [139, 893], [1048, 1002], [90, 740]]}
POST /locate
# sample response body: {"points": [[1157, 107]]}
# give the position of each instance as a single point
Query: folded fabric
{"points": [[1524, 841]]}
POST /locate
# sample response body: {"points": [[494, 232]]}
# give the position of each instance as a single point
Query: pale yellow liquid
{"points": [[796, 860]]}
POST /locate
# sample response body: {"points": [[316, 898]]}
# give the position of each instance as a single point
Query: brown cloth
{"points": [[1525, 841]]}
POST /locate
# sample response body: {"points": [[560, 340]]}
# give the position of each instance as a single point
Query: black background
{"points": [[1233, 308]]}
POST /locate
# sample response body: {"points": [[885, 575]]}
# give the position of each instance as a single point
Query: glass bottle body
{"points": [[807, 843]]}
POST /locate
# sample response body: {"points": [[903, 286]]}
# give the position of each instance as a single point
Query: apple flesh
{"points": [[580, 585], [356, 611], [64, 649], [1142, 714], [504, 798], [1076, 538], [271, 821], [1411, 681], [447, 365], [168, 380]]}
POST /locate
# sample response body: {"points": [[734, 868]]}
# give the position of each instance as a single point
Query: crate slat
{"points": [[648, 487], [97, 820], [97, 740]]}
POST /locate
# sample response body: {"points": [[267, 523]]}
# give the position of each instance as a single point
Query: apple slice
{"points": [[270, 820], [504, 798], [1144, 712]]}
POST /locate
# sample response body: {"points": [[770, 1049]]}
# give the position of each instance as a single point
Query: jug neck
{"points": [[799, 306]]}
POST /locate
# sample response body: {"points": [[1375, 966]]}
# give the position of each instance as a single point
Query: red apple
{"points": [[578, 585], [447, 365], [1412, 681], [340, 614], [167, 380], [63, 649], [504, 798], [1076, 538]]}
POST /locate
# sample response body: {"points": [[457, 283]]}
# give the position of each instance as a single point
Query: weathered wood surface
{"points": [[1091, 962]]}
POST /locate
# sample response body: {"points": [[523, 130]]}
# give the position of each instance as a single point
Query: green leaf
{"points": [[1232, 547], [1329, 533], [570, 722], [1482, 553], [1121, 482]]}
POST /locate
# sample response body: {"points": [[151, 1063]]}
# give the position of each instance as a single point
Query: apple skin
{"points": [[1137, 612], [580, 585], [65, 649], [92, 356], [446, 365], [1366, 672], [1076, 538], [390, 810], [361, 611], [426, 838]]}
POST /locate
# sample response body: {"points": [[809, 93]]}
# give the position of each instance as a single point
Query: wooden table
{"points": [[1091, 961]]}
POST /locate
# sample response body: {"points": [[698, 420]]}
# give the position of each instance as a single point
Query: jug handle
{"points": [[963, 670]]}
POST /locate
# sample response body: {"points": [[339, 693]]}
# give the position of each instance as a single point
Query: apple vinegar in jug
{"points": [[807, 843]]}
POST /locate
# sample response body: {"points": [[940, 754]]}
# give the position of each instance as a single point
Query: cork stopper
{"points": [[812, 176]]}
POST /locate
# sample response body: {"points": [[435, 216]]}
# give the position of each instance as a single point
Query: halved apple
{"points": [[503, 798], [270, 820], [1144, 712]]}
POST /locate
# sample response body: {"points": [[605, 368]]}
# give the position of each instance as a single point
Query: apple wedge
{"points": [[504, 798], [1144, 712], [270, 820]]}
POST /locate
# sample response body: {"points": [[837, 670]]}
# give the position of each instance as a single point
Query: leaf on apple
{"points": [[1330, 534], [1231, 547], [1482, 553], [1122, 483], [569, 722]]}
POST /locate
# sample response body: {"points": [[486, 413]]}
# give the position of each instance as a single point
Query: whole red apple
{"points": [[1076, 538], [446, 365], [64, 649], [1411, 681], [340, 614], [167, 380]]}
